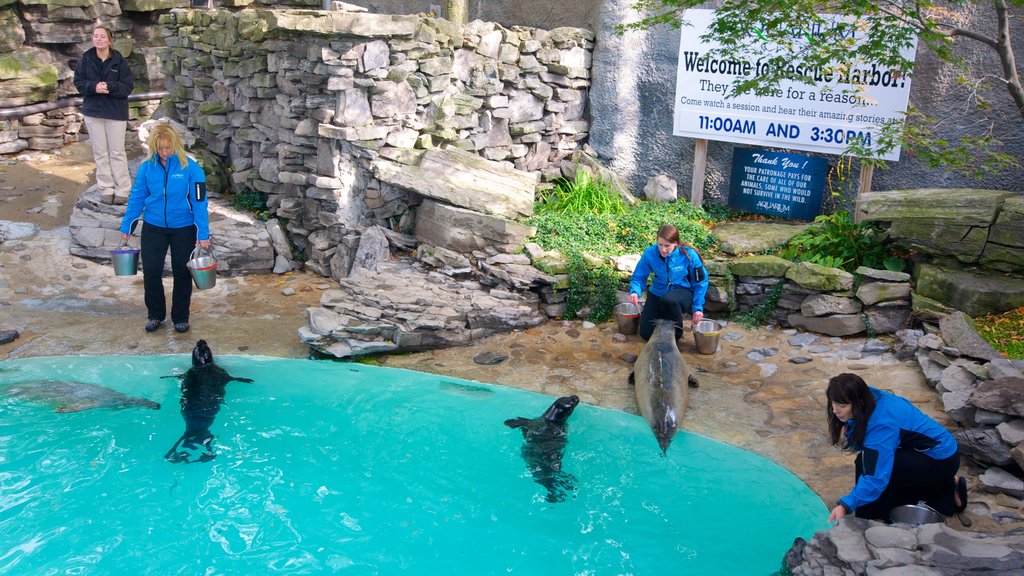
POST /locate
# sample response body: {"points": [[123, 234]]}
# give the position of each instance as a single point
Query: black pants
{"points": [[155, 241], [670, 307], [915, 477]]}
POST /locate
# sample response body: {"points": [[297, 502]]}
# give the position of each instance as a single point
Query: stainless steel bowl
{"points": [[915, 514]]}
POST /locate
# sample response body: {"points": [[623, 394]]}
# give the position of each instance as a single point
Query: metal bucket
{"points": [[706, 334], [126, 260], [203, 269], [627, 317], [915, 514]]}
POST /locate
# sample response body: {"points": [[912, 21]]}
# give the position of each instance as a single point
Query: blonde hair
{"points": [[166, 133]]}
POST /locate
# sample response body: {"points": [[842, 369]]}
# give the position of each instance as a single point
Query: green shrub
{"points": [[628, 232], [583, 195], [591, 290], [249, 200], [839, 242]]}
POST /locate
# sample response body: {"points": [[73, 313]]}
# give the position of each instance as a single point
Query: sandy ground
{"points": [[62, 304]]}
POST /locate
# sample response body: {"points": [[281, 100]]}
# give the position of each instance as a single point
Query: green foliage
{"points": [[777, 35], [762, 314], [592, 291], [582, 195], [838, 242], [628, 232], [249, 200]]}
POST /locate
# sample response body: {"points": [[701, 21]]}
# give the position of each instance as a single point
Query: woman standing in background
{"points": [[105, 81]]}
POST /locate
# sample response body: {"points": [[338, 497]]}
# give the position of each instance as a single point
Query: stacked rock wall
{"points": [[40, 44], [309, 107], [819, 299]]}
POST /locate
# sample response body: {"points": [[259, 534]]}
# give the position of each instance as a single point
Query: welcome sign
{"points": [[842, 106], [777, 184]]}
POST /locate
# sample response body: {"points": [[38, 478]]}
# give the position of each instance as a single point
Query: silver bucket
{"points": [[915, 514], [126, 260], [203, 269], [627, 317], [706, 334]]}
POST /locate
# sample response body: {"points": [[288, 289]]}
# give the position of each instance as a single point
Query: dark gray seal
{"points": [[544, 442], [75, 396], [202, 392], [662, 379]]}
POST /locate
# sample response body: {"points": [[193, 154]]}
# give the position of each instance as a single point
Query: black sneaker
{"points": [[181, 327], [153, 325]]}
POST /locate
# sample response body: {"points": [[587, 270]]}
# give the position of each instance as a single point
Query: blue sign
{"points": [[777, 184]]}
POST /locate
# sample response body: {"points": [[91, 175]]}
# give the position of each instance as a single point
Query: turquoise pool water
{"points": [[327, 468]]}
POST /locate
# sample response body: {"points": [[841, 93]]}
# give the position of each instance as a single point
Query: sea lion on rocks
{"points": [[75, 396], [662, 379], [202, 392], [544, 442]]}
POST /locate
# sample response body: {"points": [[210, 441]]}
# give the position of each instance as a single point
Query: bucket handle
{"points": [[195, 252]]}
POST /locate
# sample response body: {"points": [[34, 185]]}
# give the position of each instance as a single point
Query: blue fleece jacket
{"points": [[90, 71], [171, 197], [895, 423], [674, 271]]}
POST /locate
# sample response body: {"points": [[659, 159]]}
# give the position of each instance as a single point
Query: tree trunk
{"points": [[456, 11]]}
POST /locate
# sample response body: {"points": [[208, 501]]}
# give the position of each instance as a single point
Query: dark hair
{"points": [[671, 233], [851, 389]]}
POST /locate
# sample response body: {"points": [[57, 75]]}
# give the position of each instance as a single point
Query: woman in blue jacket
{"points": [[170, 195], [903, 455], [680, 282], [104, 80]]}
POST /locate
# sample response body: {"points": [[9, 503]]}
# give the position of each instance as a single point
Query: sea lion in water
{"points": [[202, 392], [75, 396], [544, 442], [662, 379]]}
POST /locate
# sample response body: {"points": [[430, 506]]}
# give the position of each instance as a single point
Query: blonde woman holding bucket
{"points": [[170, 196]]}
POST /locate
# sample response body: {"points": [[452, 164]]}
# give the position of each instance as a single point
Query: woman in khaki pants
{"points": [[105, 81]]}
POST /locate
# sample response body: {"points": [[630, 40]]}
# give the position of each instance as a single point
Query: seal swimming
{"points": [[544, 440], [75, 396], [662, 379], [202, 392]]}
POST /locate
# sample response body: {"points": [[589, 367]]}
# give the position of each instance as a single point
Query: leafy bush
{"points": [[249, 200], [583, 195], [628, 232], [591, 292], [839, 242]]}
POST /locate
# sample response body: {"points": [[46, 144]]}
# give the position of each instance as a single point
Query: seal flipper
{"points": [[517, 422]]}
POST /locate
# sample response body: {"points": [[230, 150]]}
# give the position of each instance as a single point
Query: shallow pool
{"points": [[328, 468]]}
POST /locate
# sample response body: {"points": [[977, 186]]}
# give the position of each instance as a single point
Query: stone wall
{"points": [[40, 44], [325, 112]]}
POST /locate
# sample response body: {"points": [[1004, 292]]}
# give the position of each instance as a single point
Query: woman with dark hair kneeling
{"points": [[903, 455]]}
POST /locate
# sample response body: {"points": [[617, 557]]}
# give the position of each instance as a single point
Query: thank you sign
{"points": [[777, 184]]}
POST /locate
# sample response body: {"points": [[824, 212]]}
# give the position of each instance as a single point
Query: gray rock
{"points": [[1005, 395], [800, 359], [883, 275], [958, 331], [849, 541], [661, 188], [875, 347], [907, 343], [1002, 368], [826, 304], [999, 481], [1012, 432], [16, 230], [890, 537], [875, 292], [802, 339], [956, 379], [8, 336], [985, 445], [835, 325]]}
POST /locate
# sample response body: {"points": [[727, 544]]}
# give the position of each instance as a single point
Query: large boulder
{"points": [[976, 293], [937, 221], [463, 230], [27, 76], [1005, 248], [745, 237]]}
